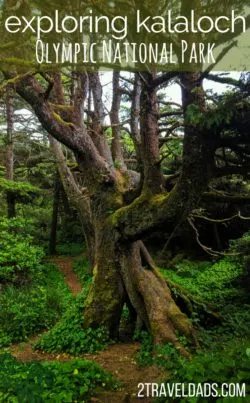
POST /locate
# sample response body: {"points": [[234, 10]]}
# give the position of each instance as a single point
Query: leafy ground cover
{"points": [[224, 352], [42, 300], [33, 307], [72, 381], [68, 334]]}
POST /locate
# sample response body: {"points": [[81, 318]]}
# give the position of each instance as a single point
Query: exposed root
{"points": [[191, 303], [188, 302], [152, 299]]}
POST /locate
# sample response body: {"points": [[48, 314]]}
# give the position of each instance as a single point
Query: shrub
{"points": [[82, 268], [241, 248], [220, 363], [229, 363], [29, 309], [70, 249], [144, 357], [68, 335], [72, 381], [18, 256], [210, 281]]}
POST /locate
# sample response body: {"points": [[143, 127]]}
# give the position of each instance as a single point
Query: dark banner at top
{"points": [[128, 35]]}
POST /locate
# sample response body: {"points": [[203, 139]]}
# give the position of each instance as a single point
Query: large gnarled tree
{"points": [[118, 206]]}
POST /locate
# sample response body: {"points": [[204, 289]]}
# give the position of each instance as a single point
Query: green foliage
{"points": [[224, 356], [228, 363], [235, 324], [211, 282], [144, 357], [23, 191], [82, 268], [18, 256], [127, 143], [70, 249], [223, 113], [171, 153], [23, 188], [194, 114], [72, 381], [69, 335], [29, 309], [41, 217], [241, 248]]}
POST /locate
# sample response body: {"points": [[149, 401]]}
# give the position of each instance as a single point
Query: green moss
{"points": [[62, 107], [60, 120], [158, 199], [145, 201], [114, 200]]}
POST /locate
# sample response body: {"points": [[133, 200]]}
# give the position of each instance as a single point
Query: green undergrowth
{"points": [[220, 362], [33, 293], [73, 381], [209, 281], [70, 249], [28, 309], [20, 257], [81, 267], [224, 353], [69, 335]]}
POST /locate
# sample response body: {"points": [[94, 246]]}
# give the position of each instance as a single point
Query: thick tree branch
{"points": [[217, 197], [163, 78], [74, 137]]}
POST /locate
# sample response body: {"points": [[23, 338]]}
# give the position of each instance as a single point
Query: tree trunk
{"points": [[10, 196], [151, 297], [107, 294], [125, 273], [53, 227]]}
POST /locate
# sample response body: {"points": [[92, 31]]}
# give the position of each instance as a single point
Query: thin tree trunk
{"points": [[54, 219], [77, 196], [116, 147], [10, 154]]}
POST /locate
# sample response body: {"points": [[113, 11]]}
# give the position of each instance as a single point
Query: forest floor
{"points": [[118, 359]]}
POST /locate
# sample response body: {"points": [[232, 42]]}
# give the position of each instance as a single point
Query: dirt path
{"points": [[119, 359], [65, 264]]}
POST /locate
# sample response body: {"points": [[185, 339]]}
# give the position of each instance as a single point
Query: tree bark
{"points": [[53, 226], [10, 196], [153, 178], [125, 273], [78, 197], [116, 147], [107, 293]]}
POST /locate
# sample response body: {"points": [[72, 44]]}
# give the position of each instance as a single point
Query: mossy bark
{"points": [[125, 273], [151, 297], [107, 294]]}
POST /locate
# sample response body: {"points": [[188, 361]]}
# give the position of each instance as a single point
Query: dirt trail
{"points": [[119, 359], [65, 264]]}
